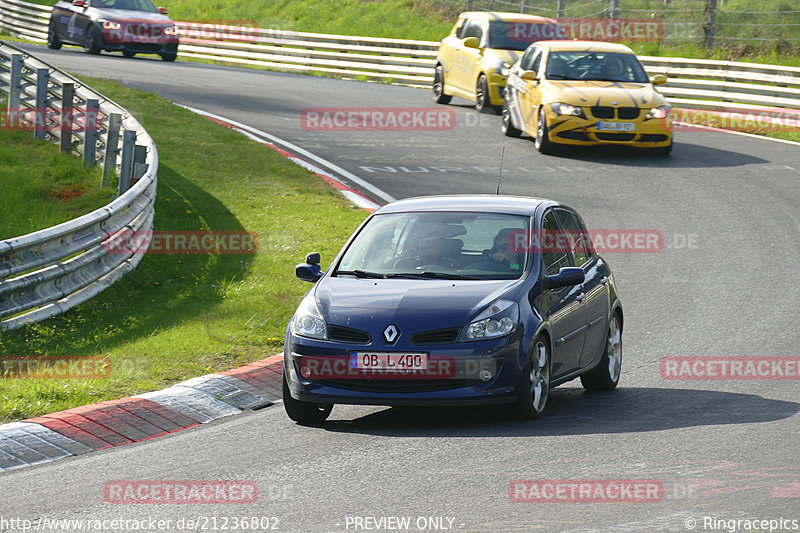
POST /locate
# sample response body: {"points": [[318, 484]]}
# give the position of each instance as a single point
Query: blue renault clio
{"points": [[454, 300]]}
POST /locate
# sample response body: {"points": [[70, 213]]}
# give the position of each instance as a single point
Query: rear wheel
{"points": [[542, 142], [508, 128], [605, 375], [304, 412], [535, 388], [438, 87], [128, 53], [169, 56], [94, 40], [53, 42], [482, 101]]}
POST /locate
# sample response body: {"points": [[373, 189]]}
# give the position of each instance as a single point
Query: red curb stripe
{"points": [[142, 408], [72, 432], [90, 426], [115, 419]]}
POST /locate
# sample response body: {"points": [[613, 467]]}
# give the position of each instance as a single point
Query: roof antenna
{"points": [[500, 173]]}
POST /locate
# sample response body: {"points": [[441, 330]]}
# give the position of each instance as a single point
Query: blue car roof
{"points": [[480, 203]]}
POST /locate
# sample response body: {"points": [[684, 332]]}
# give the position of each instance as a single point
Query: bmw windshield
{"points": [[438, 245], [599, 66]]}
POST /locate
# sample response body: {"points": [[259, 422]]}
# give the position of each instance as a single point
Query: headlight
{"points": [[111, 25], [502, 67], [308, 321], [497, 320], [659, 112], [566, 109], [171, 30]]}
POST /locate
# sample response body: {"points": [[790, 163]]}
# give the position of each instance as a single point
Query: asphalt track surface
{"points": [[725, 284]]}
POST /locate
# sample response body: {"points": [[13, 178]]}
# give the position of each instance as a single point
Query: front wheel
{"points": [[169, 56], [53, 42], [535, 387], [507, 127], [542, 142], [128, 53], [605, 375], [304, 412], [94, 40], [438, 87], [483, 102]]}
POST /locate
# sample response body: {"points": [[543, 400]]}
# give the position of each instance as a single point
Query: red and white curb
{"points": [[127, 420], [288, 150]]}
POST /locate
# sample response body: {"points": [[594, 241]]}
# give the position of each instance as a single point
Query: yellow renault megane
{"points": [[585, 93]]}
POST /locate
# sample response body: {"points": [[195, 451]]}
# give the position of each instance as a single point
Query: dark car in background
{"points": [[454, 300], [128, 26]]}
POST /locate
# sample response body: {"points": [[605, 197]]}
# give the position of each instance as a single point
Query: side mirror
{"points": [[566, 277], [659, 79], [79, 3], [163, 10], [472, 42], [310, 270], [529, 75]]}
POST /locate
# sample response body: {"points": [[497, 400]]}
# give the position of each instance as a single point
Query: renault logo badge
{"points": [[391, 333]]}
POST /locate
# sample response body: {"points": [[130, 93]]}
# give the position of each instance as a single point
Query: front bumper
{"points": [[460, 384], [583, 131]]}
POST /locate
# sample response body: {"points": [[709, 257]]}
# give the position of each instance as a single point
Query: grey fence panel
{"points": [[45, 273]]}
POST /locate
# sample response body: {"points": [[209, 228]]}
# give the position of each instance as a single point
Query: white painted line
{"points": [[752, 135], [296, 149]]}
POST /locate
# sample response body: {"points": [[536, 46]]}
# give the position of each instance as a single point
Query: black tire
{"points": [[168, 56], [535, 388], [542, 142], [53, 42], [128, 53], [94, 40], [663, 150], [482, 100], [304, 412], [438, 87], [605, 375], [507, 127]]}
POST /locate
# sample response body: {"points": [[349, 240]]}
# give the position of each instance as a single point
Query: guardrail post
{"points": [[562, 7], [112, 143], [91, 124], [139, 163], [67, 115], [710, 21], [14, 90], [126, 170], [614, 11], [40, 113]]}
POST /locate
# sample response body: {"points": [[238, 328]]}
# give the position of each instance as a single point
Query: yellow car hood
{"points": [[602, 93]]}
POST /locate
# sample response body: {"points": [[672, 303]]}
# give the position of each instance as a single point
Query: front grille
{"points": [[574, 135], [342, 334], [436, 336], [397, 385], [605, 136], [628, 113], [653, 138], [603, 112]]}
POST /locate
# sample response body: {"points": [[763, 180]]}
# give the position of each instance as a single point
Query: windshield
{"points": [[513, 35], [130, 5], [606, 66], [442, 245]]}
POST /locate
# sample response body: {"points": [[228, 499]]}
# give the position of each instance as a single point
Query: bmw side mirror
{"points": [[659, 79], [566, 277], [472, 42], [163, 10], [79, 3], [310, 270], [529, 75]]}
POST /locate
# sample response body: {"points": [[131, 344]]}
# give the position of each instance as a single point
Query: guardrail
{"points": [[44, 273], [693, 83]]}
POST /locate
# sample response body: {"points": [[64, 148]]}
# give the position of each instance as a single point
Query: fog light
{"points": [[485, 375]]}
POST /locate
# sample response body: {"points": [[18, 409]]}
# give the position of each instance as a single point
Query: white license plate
{"points": [[388, 361], [615, 126]]}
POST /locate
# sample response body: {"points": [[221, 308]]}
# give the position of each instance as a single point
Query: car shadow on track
{"points": [[572, 411]]}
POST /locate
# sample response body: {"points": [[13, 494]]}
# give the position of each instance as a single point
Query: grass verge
{"points": [[180, 316]]}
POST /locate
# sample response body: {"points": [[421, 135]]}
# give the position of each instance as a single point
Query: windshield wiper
{"points": [[361, 273], [429, 275]]}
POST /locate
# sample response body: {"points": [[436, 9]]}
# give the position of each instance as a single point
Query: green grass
{"points": [[41, 187], [180, 316]]}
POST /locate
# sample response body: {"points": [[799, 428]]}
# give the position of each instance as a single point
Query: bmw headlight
{"points": [[111, 25], [497, 320], [502, 67], [171, 30], [566, 109], [659, 112], [308, 321]]}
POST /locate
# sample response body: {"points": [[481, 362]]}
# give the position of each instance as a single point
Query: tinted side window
{"points": [[527, 58], [576, 236], [460, 25], [552, 257], [473, 29], [537, 61]]}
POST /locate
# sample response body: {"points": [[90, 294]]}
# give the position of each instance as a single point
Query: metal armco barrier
{"points": [[693, 83], [44, 273]]}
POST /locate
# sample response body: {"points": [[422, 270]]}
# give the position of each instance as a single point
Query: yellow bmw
{"points": [[585, 93]]}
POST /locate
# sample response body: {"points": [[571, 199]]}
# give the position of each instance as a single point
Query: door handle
{"points": [[604, 281], [580, 297]]}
